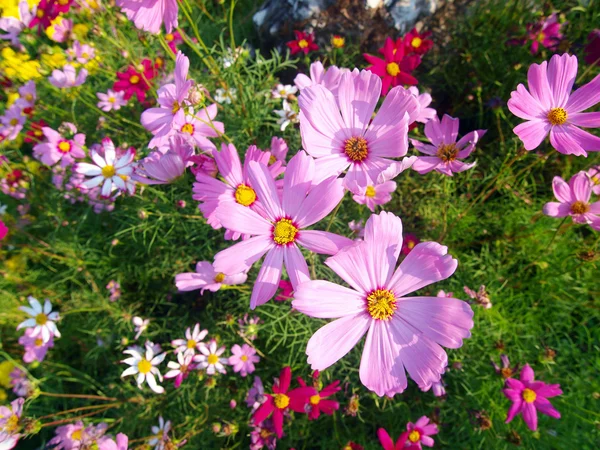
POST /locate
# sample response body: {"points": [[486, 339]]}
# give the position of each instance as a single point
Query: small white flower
{"points": [[192, 340], [286, 115], [144, 366], [225, 95], [210, 359], [42, 319], [160, 432], [3, 209], [284, 91], [140, 325]]}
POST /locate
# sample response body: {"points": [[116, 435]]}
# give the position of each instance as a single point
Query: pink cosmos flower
{"points": [[280, 225], [34, 346], [550, 108], [346, 136], [396, 67], [165, 168], [68, 77], [62, 30], [57, 148], [83, 52], [243, 359], [173, 40], [62, 6], [416, 42], [545, 33], [192, 342], [9, 423], [328, 78], [76, 436], [403, 333], [279, 150], [206, 277], [263, 436], [203, 164], [594, 174], [13, 121], [574, 200], [120, 444], [235, 187], [148, 15], [27, 95], [199, 126], [530, 396], [424, 100], [111, 100], [357, 227], [445, 151], [172, 99], [3, 230], [287, 291], [438, 389], [181, 368], [416, 434], [210, 359]]}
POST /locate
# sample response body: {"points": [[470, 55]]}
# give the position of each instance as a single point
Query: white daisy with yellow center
{"points": [[210, 358], [192, 342], [144, 366], [42, 319]]}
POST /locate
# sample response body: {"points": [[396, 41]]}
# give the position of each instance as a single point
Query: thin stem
{"points": [[231, 34], [81, 408], [91, 397], [335, 211], [72, 419]]}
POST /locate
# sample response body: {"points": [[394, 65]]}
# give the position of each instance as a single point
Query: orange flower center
{"points": [[447, 152], [244, 358], [416, 42], [187, 128], [41, 319], [414, 436], [370, 192], [393, 69], [176, 107], [40, 13], [38, 342], [557, 116], [381, 304], [219, 277], [169, 37], [14, 122], [356, 148], [580, 207], [506, 372]]}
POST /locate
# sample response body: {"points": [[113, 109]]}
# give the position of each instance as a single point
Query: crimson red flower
{"points": [[395, 69], [62, 6], [319, 402], [281, 400], [135, 80], [409, 242], [417, 43], [304, 42], [35, 133], [592, 49], [44, 15]]}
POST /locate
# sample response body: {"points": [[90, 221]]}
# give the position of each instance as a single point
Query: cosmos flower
{"points": [[181, 368], [424, 100], [199, 126], [173, 40], [60, 30], [27, 95], [225, 96], [328, 78], [35, 133], [210, 359], [417, 43], [111, 100], [140, 325], [263, 436], [43, 15], [207, 278], [594, 174], [160, 433], [338, 41], [120, 443], [549, 107], [57, 148], [357, 227], [278, 149], [396, 67], [481, 297], [67, 77], [416, 434], [13, 26], [77, 436], [10, 423], [304, 43], [444, 152], [135, 80], [545, 33], [192, 342], [144, 366], [3, 230], [506, 371], [149, 15], [256, 395], [280, 225], [164, 167], [403, 333], [574, 200], [13, 120], [34, 346], [530, 396], [320, 402], [42, 321], [286, 292], [344, 135], [409, 242], [243, 358]]}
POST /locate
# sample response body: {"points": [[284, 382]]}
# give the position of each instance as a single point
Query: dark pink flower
{"points": [[304, 43], [396, 67]]}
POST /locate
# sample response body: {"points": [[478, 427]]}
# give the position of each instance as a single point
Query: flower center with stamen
{"points": [[529, 396], [84, 55], [187, 128], [284, 232], [506, 372], [414, 436], [302, 43], [381, 304], [264, 433], [447, 152], [29, 97], [244, 358], [63, 2], [314, 399], [38, 342], [176, 107], [40, 13], [112, 100], [580, 207], [134, 79], [14, 122], [64, 146], [41, 319], [557, 116], [144, 366], [281, 401], [76, 435], [416, 42], [212, 359], [370, 192], [169, 37], [191, 344], [392, 69], [356, 148], [12, 424], [108, 171], [541, 36], [245, 195], [219, 277], [596, 179]]}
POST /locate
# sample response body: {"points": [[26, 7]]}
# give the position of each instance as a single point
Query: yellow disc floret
{"points": [[144, 366], [302, 43], [557, 116], [212, 359], [284, 232], [580, 207], [447, 152], [392, 69], [190, 344], [356, 148], [108, 171], [134, 79], [245, 195], [416, 42], [314, 399], [281, 401], [187, 128], [64, 147], [219, 277], [381, 304], [414, 436], [529, 396], [41, 319], [370, 192]]}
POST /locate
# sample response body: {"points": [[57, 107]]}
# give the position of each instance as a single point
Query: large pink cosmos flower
{"points": [[68, 77], [58, 148], [445, 151], [236, 187], [330, 77], [344, 137], [574, 200], [148, 15], [403, 333], [529, 397], [172, 101], [550, 108], [280, 225]]}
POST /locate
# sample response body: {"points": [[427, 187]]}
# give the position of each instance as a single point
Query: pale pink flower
{"points": [[68, 77], [121, 443], [357, 227], [343, 135], [13, 121], [165, 167], [243, 358], [278, 149], [27, 95], [148, 15], [83, 53], [111, 100], [192, 342], [200, 126], [287, 115], [207, 278], [210, 359], [62, 30], [403, 333], [57, 148], [424, 100], [34, 346], [14, 26], [594, 174], [140, 325], [549, 107], [328, 78], [280, 225], [546, 33], [444, 152], [9, 424]]}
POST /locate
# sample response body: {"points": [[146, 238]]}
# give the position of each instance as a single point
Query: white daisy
{"points": [[160, 433], [210, 359], [106, 171], [284, 91], [144, 366], [192, 341], [140, 325], [286, 115], [225, 95], [42, 319]]}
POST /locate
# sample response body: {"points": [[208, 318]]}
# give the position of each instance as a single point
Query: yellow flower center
{"points": [[63, 2], [112, 100], [447, 152], [529, 396], [187, 128], [272, 160], [38, 132], [281, 401], [541, 36], [265, 433], [12, 424], [144, 366], [219, 277], [338, 41], [14, 122], [411, 244], [38, 342], [108, 171], [41, 319], [314, 399], [393, 69], [212, 359], [134, 79], [76, 435], [356, 148], [40, 13], [84, 55], [596, 179], [124, 177], [245, 195], [370, 191], [557, 116], [381, 304], [169, 37], [176, 107], [302, 43], [414, 436], [284, 232], [580, 207], [416, 42], [244, 358], [191, 344], [28, 97], [64, 147]]}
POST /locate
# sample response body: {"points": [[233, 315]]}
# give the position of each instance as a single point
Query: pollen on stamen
{"points": [[447, 152], [245, 195], [392, 69], [284, 232], [381, 304], [281, 401], [356, 149], [557, 116], [529, 395], [414, 436], [219, 277], [580, 207]]}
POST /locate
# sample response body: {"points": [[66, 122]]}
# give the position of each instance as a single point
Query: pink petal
{"points": [[532, 132], [562, 139], [424, 148], [323, 242], [327, 166], [327, 300], [530, 415], [425, 164], [562, 190], [434, 132], [581, 187], [295, 265], [299, 176], [514, 409], [549, 390], [350, 265], [358, 94], [263, 411], [555, 209], [512, 395], [586, 120], [383, 233], [527, 374], [537, 79], [523, 105], [545, 407], [267, 281], [242, 219], [266, 191], [459, 166], [585, 97], [562, 72], [427, 441], [228, 162], [385, 440], [449, 128], [319, 202], [240, 257], [585, 140]]}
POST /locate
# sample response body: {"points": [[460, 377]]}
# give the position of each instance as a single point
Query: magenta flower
{"points": [[148, 15], [34, 346], [67, 77], [344, 137], [207, 278], [529, 397], [280, 225], [445, 152], [545, 33], [396, 67], [83, 53], [328, 78], [199, 126], [57, 148], [165, 167], [320, 402], [403, 333], [286, 291], [243, 359], [417, 434], [574, 200], [111, 100], [181, 368], [550, 108], [3, 230], [594, 174]]}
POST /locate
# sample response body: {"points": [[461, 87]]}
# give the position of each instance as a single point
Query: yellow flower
{"points": [[12, 98], [80, 31], [10, 8], [54, 60], [6, 367], [3, 396], [18, 65], [52, 28]]}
